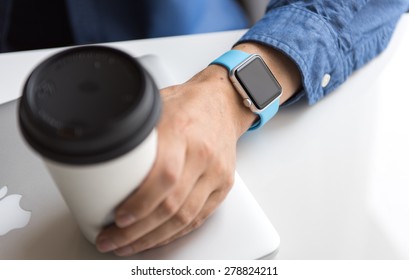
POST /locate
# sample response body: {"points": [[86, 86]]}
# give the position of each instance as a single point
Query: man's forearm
{"points": [[328, 40]]}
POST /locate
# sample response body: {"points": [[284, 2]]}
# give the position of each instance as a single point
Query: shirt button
{"points": [[325, 80]]}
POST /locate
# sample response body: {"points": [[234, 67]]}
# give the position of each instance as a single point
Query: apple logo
{"points": [[12, 216]]}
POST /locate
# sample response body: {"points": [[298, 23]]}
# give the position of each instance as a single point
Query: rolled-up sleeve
{"points": [[327, 40]]}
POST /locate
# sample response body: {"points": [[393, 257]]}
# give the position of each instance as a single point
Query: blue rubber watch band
{"points": [[266, 114], [231, 60]]}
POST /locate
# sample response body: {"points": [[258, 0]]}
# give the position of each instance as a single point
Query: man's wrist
{"points": [[241, 116], [217, 77]]}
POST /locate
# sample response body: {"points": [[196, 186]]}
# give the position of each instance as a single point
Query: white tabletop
{"points": [[331, 177]]}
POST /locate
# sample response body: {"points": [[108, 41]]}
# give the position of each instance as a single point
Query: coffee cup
{"points": [[90, 113]]}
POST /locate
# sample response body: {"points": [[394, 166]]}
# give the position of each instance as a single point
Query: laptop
{"points": [[35, 222]]}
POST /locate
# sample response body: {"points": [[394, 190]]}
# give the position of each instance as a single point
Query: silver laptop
{"points": [[35, 222]]}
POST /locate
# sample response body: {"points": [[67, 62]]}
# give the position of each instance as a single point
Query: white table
{"points": [[331, 177]]}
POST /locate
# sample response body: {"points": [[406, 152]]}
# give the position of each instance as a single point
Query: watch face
{"points": [[258, 81]]}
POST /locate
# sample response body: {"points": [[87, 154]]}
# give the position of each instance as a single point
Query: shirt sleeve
{"points": [[327, 39]]}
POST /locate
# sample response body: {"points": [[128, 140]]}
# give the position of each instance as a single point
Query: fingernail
{"points": [[106, 245], [124, 251], [125, 220]]}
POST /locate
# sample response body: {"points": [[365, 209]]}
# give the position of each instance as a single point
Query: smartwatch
{"points": [[254, 82]]}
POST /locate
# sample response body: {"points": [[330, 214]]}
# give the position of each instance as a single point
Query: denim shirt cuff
{"points": [[309, 41]]}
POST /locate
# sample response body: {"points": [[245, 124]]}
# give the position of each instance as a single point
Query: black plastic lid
{"points": [[87, 105]]}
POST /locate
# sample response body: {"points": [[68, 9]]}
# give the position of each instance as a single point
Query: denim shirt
{"points": [[327, 40]]}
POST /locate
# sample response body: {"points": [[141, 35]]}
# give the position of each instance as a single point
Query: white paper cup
{"points": [[90, 112]]}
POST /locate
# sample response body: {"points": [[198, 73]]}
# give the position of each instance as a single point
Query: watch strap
{"points": [[266, 114], [231, 59]]}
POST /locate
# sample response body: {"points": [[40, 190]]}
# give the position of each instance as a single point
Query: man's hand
{"points": [[194, 169], [201, 122]]}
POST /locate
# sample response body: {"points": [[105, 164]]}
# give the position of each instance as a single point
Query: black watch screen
{"points": [[258, 81]]}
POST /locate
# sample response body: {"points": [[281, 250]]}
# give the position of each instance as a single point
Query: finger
{"points": [[186, 214], [214, 200], [218, 179], [165, 172], [114, 237], [166, 175]]}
